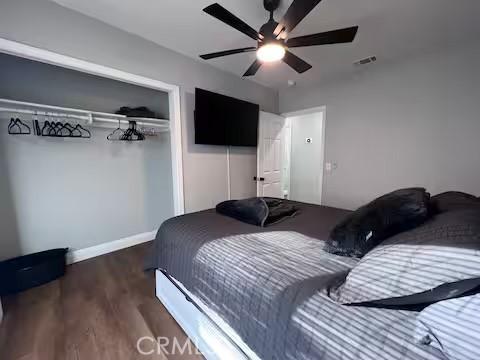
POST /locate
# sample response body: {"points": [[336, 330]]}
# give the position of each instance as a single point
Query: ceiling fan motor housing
{"points": [[267, 30], [271, 5]]}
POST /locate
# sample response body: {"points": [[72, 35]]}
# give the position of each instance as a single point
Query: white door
{"points": [[270, 155]]}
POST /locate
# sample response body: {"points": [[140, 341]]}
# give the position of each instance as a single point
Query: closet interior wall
{"points": [[78, 193]]}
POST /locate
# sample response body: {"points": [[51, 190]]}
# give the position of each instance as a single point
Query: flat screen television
{"points": [[222, 120]]}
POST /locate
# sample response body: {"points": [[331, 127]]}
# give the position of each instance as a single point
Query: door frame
{"points": [[314, 110], [50, 57]]}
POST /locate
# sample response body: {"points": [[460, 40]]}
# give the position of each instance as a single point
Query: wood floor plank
{"points": [[98, 310]]}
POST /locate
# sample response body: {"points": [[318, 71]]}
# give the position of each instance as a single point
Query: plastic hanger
{"points": [[17, 127], [46, 128], [65, 130], [84, 133], [117, 134], [132, 134]]}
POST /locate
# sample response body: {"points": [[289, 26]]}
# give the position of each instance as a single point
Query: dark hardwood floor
{"points": [[98, 310]]}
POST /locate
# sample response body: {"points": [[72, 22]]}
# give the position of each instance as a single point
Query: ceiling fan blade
{"points": [[227, 52], [252, 70], [330, 37], [295, 13], [296, 63], [222, 14]]}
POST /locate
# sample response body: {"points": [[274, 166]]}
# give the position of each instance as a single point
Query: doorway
{"points": [[291, 154], [305, 155]]}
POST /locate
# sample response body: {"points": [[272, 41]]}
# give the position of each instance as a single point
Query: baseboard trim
{"points": [[102, 249]]}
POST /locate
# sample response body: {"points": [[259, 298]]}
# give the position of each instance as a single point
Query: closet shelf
{"points": [[91, 118]]}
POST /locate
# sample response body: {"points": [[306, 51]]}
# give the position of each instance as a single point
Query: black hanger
{"points": [[132, 134], [38, 131], [117, 134], [84, 133], [70, 128], [76, 132], [55, 129], [64, 130], [17, 127], [46, 128]]}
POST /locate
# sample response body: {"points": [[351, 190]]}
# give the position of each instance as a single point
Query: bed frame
{"points": [[215, 339]]}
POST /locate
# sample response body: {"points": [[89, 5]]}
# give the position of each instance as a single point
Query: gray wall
{"points": [[79, 193], [305, 160], [49, 26], [412, 123], [27, 80], [71, 192]]}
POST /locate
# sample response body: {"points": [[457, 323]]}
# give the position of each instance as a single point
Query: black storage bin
{"points": [[28, 271]]}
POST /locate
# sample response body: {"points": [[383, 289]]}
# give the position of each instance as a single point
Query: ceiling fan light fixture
{"points": [[270, 52], [273, 39]]}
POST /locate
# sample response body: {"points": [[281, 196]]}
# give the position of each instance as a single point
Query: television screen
{"points": [[222, 120]]}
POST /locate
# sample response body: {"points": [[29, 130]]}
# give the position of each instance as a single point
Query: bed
{"points": [[264, 291]]}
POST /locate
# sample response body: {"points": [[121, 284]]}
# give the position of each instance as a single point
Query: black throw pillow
{"points": [[453, 200], [386, 216]]}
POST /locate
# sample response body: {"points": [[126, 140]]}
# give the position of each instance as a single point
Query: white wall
{"points": [[412, 123], [49, 26], [41, 83]]}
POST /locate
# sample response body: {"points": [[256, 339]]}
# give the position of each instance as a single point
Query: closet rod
{"points": [[58, 108], [43, 113], [92, 118], [96, 119]]}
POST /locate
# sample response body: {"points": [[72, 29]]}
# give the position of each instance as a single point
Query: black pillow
{"points": [[453, 200], [386, 216]]}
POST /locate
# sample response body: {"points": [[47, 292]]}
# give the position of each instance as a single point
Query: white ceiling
{"points": [[389, 29]]}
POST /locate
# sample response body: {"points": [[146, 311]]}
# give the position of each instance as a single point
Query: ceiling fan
{"points": [[272, 38]]}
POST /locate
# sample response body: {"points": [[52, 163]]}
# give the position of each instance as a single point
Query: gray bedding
{"points": [[269, 285]]}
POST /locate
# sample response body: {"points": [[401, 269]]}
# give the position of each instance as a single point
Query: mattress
{"points": [[270, 285]]}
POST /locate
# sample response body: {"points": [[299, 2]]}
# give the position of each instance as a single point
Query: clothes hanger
{"points": [[54, 127], [70, 128], [76, 133], [18, 127], [13, 124], [25, 128], [36, 126], [45, 129], [84, 133], [50, 128], [117, 134], [132, 134], [63, 129]]}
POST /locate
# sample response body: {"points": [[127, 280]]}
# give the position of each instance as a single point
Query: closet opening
{"points": [[89, 155]]}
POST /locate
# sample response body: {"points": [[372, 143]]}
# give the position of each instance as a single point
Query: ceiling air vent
{"points": [[365, 61]]}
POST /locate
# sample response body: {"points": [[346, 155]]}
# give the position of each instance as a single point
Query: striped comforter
{"points": [[269, 285]]}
